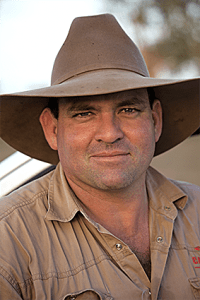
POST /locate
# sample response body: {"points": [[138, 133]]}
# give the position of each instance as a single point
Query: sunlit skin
{"points": [[105, 144]]}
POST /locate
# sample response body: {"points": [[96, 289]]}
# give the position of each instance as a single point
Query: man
{"points": [[103, 225]]}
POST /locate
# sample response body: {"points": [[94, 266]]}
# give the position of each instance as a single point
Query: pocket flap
{"points": [[195, 284], [87, 295]]}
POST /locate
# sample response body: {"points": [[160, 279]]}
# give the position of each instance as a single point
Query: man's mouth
{"points": [[110, 154]]}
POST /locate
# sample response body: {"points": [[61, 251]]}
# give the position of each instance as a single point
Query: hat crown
{"points": [[94, 43]]}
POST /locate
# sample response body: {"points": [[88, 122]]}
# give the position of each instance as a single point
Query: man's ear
{"points": [[49, 125], [157, 118]]}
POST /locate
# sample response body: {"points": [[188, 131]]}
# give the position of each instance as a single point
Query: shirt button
{"points": [[119, 247], [168, 208], [159, 239]]}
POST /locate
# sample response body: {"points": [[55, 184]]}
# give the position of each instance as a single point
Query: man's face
{"points": [[107, 141]]}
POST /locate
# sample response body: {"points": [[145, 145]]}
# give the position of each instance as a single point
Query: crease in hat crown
{"points": [[96, 43]]}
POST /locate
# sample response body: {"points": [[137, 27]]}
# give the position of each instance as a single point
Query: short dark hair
{"points": [[54, 106], [151, 95]]}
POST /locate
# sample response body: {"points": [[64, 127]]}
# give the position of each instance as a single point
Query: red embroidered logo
{"points": [[196, 261], [197, 248]]}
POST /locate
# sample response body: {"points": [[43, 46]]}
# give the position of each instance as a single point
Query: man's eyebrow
{"points": [[132, 101], [79, 106]]}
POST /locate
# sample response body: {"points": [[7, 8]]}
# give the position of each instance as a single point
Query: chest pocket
{"points": [[195, 284], [87, 295]]}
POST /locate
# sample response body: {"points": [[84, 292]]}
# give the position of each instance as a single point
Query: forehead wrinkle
{"points": [[123, 98]]}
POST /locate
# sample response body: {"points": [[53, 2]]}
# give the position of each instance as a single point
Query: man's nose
{"points": [[109, 129]]}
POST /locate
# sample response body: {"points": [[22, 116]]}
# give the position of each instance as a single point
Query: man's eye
{"points": [[129, 110], [83, 114]]}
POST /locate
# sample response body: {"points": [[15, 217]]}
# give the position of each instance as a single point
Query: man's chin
{"points": [[113, 184]]}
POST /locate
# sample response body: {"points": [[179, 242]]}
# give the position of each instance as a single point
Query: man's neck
{"points": [[122, 212]]}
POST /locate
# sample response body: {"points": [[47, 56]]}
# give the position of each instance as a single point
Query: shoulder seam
{"points": [[21, 204]]}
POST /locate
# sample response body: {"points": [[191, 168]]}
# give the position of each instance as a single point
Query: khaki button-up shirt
{"points": [[50, 249]]}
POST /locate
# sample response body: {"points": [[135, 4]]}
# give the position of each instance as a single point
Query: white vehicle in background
{"points": [[18, 169]]}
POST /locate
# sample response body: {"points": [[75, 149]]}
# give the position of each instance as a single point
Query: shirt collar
{"points": [[63, 203], [164, 194]]}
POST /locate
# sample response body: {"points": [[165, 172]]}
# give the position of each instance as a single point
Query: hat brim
{"points": [[21, 129]]}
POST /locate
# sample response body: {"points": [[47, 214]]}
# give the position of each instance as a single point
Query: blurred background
{"points": [[167, 33]]}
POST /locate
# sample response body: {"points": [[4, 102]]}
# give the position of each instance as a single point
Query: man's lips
{"points": [[110, 154]]}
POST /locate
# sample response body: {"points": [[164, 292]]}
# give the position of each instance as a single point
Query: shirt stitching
{"points": [[9, 278], [21, 204], [65, 274]]}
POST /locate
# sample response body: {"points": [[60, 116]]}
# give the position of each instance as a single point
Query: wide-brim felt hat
{"points": [[96, 58]]}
